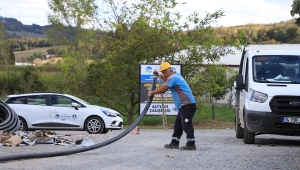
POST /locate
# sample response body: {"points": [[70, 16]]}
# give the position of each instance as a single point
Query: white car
{"points": [[57, 111]]}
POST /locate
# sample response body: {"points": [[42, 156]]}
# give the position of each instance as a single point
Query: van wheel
{"points": [[94, 125], [248, 136], [23, 124], [239, 131]]}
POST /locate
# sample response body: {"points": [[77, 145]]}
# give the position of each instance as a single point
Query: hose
{"points": [[9, 120], [88, 148]]}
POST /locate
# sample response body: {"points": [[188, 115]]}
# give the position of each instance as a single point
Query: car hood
{"points": [[102, 108]]}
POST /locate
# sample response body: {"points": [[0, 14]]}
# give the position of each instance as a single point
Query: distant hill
{"points": [[15, 29]]}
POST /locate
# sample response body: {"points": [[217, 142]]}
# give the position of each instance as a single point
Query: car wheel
{"points": [[104, 131], [248, 136], [239, 131], [23, 124], [94, 125]]}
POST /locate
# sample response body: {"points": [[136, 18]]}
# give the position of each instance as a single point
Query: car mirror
{"points": [[75, 105]]}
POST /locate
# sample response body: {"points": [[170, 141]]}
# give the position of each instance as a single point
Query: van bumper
{"points": [[269, 123]]}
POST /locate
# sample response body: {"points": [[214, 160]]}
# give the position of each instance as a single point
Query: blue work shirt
{"points": [[181, 91]]}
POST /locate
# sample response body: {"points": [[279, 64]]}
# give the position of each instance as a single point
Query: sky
{"points": [[237, 12]]}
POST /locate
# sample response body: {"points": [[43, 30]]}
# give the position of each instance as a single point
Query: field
{"points": [[21, 56]]}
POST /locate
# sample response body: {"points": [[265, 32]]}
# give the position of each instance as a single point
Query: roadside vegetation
{"points": [[100, 63], [224, 118]]}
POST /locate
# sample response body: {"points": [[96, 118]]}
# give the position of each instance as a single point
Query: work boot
{"points": [[171, 146], [188, 148]]}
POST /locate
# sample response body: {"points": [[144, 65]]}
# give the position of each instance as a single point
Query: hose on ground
{"points": [[9, 120], [88, 148]]}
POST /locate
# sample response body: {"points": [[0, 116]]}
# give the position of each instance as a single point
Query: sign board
{"points": [[146, 79]]}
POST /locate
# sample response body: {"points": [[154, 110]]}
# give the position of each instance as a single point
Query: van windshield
{"points": [[276, 69]]}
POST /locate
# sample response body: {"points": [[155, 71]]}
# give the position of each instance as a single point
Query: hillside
{"points": [[16, 29]]}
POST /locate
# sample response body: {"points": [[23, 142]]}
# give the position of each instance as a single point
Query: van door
{"points": [[244, 92], [238, 106]]}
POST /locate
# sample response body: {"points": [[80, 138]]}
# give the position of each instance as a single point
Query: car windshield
{"points": [[80, 100], [276, 69]]}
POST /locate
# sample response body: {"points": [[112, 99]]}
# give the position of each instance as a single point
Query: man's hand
{"points": [[149, 94], [156, 73]]}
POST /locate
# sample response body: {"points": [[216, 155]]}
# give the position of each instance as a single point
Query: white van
{"points": [[267, 97]]}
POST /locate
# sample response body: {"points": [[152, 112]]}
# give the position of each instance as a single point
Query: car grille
{"points": [[285, 105]]}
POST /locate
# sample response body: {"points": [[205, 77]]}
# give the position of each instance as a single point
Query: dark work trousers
{"points": [[183, 122]]}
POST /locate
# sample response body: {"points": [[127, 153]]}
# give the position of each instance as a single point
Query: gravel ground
{"points": [[216, 149]]}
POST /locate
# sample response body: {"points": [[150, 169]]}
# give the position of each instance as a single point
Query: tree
{"points": [[296, 10], [148, 31], [6, 54], [212, 83], [292, 32], [69, 19]]}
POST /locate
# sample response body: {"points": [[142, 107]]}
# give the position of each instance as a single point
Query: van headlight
{"points": [[259, 97]]}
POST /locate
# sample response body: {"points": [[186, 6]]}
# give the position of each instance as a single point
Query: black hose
{"points": [[78, 150], [9, 120]]}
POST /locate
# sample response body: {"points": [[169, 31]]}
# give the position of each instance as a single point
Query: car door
{"points": [[36, 112], [62, 113]]}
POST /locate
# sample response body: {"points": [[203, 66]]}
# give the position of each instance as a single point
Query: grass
{"points": [[224, 118]]}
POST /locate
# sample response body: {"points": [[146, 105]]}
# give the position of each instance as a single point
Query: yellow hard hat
{"points": [[165, 66]]}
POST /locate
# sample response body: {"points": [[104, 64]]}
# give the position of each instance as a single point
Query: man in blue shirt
{"points": [[184, 102]]}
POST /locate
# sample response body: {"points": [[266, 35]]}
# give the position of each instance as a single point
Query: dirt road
{"points": [[216, 149]]}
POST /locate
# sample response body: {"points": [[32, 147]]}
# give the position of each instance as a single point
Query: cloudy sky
{"points": [[237, 12]]}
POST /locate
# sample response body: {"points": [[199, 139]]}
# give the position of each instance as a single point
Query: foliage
{"points": [[36, 55], [6, 55], [74, 70], [282, 32], [22, 44], [149, 32], [213, 82], [296, 10], [30, 79], [68, 19], [146, 31]]}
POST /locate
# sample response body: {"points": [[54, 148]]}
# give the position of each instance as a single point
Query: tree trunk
{"points": [[129, 119]]}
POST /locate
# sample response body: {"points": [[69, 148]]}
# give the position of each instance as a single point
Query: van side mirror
{"points": [[239, 82]]}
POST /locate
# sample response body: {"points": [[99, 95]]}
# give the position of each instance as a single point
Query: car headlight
{"points": [[259, 97], [110, 114]]}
